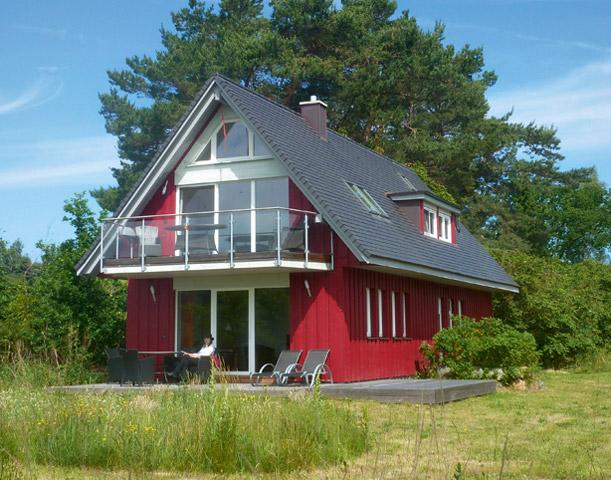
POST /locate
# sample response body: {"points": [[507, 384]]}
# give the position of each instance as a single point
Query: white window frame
{"points": [[394, 314], [431, 212], [368, 310], [445, 227], [440, 312], [210, 138], [403, 301], [450, 311], [380, 315], [460, 310]]}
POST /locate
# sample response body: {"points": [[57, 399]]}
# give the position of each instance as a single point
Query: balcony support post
{"points": [[278, 246], [231, 250]]}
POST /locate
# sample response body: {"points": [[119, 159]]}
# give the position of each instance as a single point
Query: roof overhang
{"points": [[169, 155], [428, 197], [394, 267]]}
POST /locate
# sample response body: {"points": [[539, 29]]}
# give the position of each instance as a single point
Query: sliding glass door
{"points": [[250, 326]]}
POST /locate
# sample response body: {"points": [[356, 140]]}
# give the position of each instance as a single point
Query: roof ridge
{"points": [[333, 132]]}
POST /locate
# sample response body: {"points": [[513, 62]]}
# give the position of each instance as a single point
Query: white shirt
{"points": [[206, 351]]}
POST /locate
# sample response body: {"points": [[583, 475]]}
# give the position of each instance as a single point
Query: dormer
{"points": [[435, 216]]}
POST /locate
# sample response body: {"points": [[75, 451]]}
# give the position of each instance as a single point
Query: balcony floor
{"points": [[219, 261]]}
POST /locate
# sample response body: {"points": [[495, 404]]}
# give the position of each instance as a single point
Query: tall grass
{"points": [[188, 431]]}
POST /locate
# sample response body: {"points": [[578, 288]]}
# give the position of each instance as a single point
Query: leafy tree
{"points": [[564, 306], [390, 85], [58, 312]]}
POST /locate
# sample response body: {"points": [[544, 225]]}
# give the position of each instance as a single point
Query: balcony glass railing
{"points": [[229, 235]]}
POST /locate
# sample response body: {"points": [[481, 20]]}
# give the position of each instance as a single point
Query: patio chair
{"points": [[151, 241], [315, 364], [115, 365], [137, 370], [287, 361], [201, 370]]}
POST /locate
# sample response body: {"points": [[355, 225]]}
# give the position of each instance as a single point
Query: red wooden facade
{"points": [[333, 314]]}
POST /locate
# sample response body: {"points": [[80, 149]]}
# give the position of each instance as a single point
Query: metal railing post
{"points": [[278, 246], [231, 264], [142, 246], [307, 250], [186, 233]]}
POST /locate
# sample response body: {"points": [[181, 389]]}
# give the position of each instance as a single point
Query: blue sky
{"points": [[553, 58]]}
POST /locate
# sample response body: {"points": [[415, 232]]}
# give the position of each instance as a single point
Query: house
{"points": [[256, 223]]}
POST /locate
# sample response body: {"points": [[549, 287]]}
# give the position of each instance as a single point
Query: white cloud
{"points": [[578, 105], [53, 32], [43, 91], [82, 162]]}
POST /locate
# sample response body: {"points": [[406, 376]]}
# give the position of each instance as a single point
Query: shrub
{"points": [[564, 305], [488, 344]]}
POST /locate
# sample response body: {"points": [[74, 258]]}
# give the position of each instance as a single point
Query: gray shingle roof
{"points": [[322, 168]]}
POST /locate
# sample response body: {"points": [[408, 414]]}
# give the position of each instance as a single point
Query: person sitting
{"points": [[189, 359]]}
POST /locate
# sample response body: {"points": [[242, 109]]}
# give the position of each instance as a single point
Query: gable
{"points": [[323, 169]]}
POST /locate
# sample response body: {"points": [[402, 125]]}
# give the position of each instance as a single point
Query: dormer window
{"points": [[367, 200], [445, 227], [430, 222], [435, 216]]}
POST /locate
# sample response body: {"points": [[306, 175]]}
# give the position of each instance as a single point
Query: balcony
{"points": [[230, 240]]}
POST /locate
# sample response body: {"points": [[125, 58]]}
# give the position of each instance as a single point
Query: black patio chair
{"points": [[137, 370], [287, 361], [314, 365], [115, 365]]}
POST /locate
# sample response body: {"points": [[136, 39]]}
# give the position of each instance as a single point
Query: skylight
{"points": [[368, 201]]}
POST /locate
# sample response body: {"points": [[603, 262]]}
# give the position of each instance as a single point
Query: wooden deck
{"points": [[414, 391]]}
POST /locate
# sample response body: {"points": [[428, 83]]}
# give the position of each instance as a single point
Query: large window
{"points": [[252, 230], [251, 326], [194, 319], [232, 139]]}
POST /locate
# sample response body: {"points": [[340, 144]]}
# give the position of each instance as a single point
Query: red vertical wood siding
{"points": [[335, 317], [150, 322]]}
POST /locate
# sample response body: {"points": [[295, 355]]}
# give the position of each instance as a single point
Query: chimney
{"points": [[315, 113]]}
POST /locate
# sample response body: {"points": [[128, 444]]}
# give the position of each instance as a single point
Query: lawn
{"points": [[560, 431]]}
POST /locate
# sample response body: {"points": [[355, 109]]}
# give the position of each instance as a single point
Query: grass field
{"points": [[560, 431]]}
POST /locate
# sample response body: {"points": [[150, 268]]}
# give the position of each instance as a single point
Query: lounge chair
{"points": [[287, 361], [137, 370], [314, 365]]}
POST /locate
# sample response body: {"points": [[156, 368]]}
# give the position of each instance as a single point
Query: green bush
{"points": [[566, 306], [487, 344]]}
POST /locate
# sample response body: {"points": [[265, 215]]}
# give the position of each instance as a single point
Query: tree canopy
{"points": [[390, 85]]}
